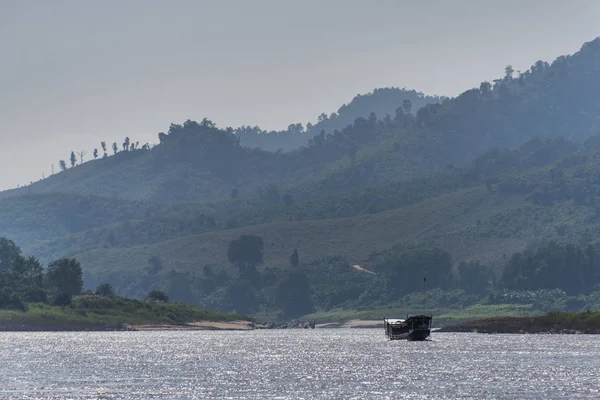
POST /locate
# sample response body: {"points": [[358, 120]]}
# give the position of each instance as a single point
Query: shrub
{"points": [[60, 299], [157, 296]]}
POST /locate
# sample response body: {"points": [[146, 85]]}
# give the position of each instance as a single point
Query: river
{"points": [[296, 364]]}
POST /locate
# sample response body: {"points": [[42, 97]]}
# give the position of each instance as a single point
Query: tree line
{"points": [[331, 282], [569, 267], [126, 146], [25, 280]]}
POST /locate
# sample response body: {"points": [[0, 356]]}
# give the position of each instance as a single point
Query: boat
{"points": [[414, 327]]}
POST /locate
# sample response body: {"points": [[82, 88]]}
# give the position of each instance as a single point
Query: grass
{"points": [[353, 238], [473, 223], [554, 322], [572, 320], [441, 315], [95, 312], [479, 311]]}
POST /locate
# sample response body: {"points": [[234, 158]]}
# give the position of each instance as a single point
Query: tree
{"points": [[105, 289], [73, 159], [115, 148], [60, 299], [157, 296], [508, 72], [126, 144], [95, 153], [65, 276], [246, 252], [565, 267], [474, 277], [288, 200], [407, 271], [207, 123], [241, 296], [81, 154], [406, 106], [103, 145], [398, 114], [27, 272], [293, 294], [294, 259], [63, 165], [9, 252], [485, 88], [323, 117]]}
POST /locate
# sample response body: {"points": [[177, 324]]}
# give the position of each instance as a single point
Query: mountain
{"points": [[200, 162], [460, 185], [503, 174], [381, 102]]}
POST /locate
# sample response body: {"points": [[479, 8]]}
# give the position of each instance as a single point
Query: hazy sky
{"points": [[75, 72]]}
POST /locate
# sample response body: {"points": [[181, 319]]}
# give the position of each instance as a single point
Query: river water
{"points": [[296, 364]]}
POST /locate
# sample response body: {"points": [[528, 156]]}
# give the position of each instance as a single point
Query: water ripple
{"points": [[296, 364]]}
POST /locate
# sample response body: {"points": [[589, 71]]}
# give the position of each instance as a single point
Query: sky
{"points": [[74, 73]]}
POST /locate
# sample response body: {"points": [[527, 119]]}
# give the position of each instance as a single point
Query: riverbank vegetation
{"points": [[91, 312], [52, 298], [556, 322]]}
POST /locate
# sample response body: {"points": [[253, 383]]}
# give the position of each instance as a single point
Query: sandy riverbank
{"points": [[245, 326], [354, 323], [197, 326]]}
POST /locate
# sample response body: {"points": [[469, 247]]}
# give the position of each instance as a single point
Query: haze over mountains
{"points": [[77, 73], [509, 165]]}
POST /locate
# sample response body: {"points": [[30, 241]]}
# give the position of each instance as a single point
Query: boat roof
{"points": [[393, 320]]}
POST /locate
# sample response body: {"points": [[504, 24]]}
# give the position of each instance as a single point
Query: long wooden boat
{"points": [[415, 327]]}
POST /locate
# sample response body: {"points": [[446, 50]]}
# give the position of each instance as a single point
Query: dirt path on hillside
{"points": [[359, 268]]}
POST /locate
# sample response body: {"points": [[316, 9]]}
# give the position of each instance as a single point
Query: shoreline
{"points": [[197, 326], [553, 323], [353, 324], [237, 325], [126, 327]]}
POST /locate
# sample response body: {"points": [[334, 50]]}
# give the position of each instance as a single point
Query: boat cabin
{"points": [[415, 327]]}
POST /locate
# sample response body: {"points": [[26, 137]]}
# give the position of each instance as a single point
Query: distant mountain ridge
{"points": [[381, 102]]}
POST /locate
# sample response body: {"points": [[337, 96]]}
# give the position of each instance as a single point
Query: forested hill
{"points": [[502, 167], [558, 99], [200, 162], [381, 102]]}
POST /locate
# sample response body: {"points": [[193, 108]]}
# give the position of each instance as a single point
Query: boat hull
{"points": [[411, 336], [414, 328], [419, 335]]}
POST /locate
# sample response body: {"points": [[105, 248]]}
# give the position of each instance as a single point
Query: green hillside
{"points": [[453, 190], [200, 162], [153, 223]]}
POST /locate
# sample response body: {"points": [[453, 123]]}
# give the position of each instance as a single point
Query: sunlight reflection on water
{"points": [[295, 364]]}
